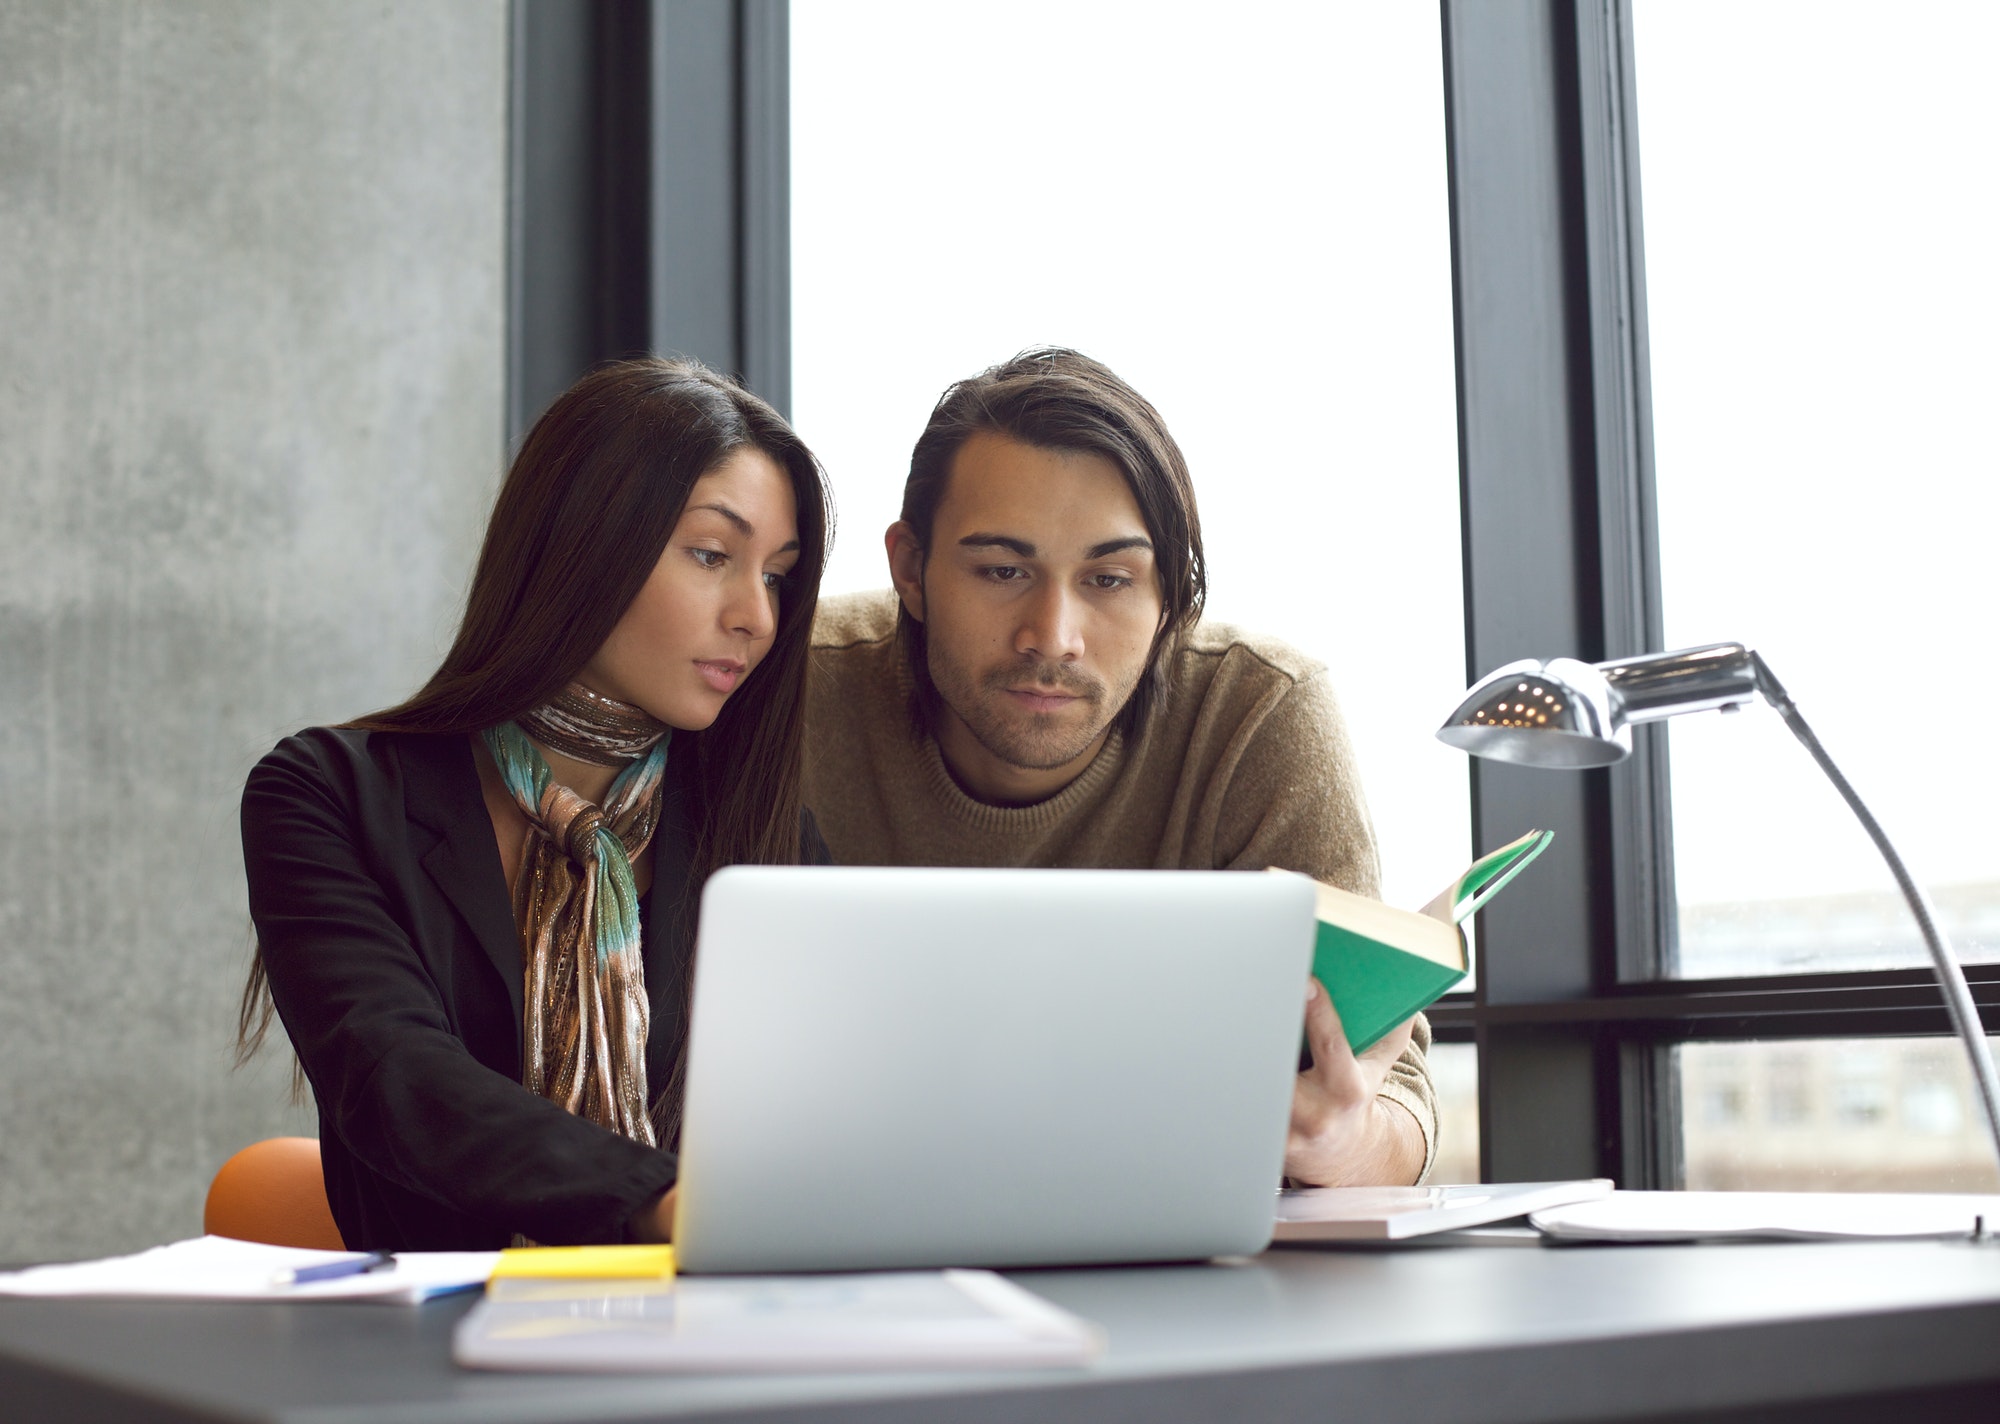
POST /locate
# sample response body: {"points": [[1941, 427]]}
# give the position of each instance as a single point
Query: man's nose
{"points": [[1051, 625]]}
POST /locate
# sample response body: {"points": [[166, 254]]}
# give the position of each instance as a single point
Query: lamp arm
{"points": [[1957, 994]]}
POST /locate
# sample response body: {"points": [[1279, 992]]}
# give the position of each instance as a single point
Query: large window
{"points": [[1744, 409], [1749, 408], [1247, 220], [1822, 297], [1821, 288]]}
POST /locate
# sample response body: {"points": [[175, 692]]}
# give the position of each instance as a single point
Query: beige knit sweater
{"points": [[1244, 764]]}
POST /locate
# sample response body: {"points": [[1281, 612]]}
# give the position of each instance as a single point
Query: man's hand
{"points": [[1343, 1134]]}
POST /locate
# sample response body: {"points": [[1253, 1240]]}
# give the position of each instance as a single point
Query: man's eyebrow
{"points": [[738, 520], [1113, 546], [998, 541], [1023, 549]]}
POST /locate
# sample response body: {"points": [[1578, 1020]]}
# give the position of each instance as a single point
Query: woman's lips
{"points": [[722, 674]]}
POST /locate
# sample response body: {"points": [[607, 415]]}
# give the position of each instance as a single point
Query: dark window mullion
{"points": [[765, 199], [649, 195], [1527, 482], [1612, 310], [1641, 1116]]}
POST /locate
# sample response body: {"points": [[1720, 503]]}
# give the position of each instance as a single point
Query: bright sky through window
{"points": [[1822, 292], [1248, 221]]}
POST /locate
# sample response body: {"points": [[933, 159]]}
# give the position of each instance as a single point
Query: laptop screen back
{"points": [[988, 1067]]}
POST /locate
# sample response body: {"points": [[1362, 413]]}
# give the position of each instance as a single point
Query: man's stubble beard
{"points": [[1035, 741]]}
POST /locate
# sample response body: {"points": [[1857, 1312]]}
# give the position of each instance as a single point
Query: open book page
{"points": [[1486, 877], [1412, 934]]}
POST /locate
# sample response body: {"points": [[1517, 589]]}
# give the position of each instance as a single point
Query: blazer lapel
{"points": [[672, 842], [444, 797]]}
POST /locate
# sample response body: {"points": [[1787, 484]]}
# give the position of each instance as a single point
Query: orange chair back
{"points": [[272, 1191]]}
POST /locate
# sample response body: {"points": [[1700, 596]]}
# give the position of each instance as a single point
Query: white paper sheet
{"points": [[219, 1268], [1769, 1216]]}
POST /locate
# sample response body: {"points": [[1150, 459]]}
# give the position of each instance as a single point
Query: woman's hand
{"points": [[655, 1221], [1343, 1134]]}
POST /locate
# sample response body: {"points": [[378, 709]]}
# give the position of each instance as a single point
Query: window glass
{"points": [[1455, 1074], [1244, 217], [1877, 1114], [1821, 298]]}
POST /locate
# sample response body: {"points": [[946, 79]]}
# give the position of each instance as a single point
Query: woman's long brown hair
{"points": [[580, 521]]}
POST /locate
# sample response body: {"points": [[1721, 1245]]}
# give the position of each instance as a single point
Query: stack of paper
{"points": [[1770, 1216], [925, 1320], [220, 1268]]}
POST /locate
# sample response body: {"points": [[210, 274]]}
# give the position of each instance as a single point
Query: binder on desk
{"points": [[915, 1320], [628, 1262]]}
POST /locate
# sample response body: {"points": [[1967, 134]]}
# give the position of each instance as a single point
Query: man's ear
{"points": [[906, 567]]}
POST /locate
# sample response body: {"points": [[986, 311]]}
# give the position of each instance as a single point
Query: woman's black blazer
{"points": [[382, 914]]}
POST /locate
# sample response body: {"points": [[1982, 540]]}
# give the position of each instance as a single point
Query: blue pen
{"points": [[334, 1270]]}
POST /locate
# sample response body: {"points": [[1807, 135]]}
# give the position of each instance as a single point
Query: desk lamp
{"points": [[1575, 715]]}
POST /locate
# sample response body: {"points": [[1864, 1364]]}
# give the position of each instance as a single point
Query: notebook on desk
{"points": [[898, 1068], [1375, 1215]]}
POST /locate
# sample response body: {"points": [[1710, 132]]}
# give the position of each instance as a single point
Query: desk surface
{"points": [[1461, 1333]]}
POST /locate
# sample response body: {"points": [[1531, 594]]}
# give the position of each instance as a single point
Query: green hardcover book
{"points": [[1381, 964]]}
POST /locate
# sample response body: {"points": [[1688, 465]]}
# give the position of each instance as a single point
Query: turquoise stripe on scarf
{"points": [[615, 922]]}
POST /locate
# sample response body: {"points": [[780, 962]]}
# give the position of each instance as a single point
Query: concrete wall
{"points": [[251, 329]]}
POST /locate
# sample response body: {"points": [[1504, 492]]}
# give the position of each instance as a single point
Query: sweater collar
{"points": [[1036, 817]]}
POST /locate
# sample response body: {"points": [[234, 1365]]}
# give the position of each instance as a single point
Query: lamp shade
{"points": [[1560, 713], [1568, 714]]}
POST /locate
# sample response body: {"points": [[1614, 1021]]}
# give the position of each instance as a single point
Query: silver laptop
{"points": [[903, 1068]]}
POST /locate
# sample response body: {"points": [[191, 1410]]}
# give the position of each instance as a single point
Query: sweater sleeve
{"points": [[377, 1038], [1295, 802]]}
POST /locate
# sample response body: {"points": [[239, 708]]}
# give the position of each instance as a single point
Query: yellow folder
{"points": [[587, 1262]]}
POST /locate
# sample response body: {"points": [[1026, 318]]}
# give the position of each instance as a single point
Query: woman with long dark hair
{"points": [[475, 910]]}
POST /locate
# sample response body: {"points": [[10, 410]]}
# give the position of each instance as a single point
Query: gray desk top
{"points": [[1459, 1333]]}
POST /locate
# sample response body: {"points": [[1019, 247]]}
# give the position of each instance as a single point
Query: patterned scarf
{"points": [[583, 1042]]}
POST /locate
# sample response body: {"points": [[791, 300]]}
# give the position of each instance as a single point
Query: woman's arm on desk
{"points": [[655, 1220]]}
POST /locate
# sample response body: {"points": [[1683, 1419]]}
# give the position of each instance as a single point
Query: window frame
{"points": [[649, 192], [1576, 1013], [649, 209]]}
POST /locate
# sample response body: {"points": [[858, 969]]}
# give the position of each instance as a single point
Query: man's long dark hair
{"points": [[1057, 399], [576, 530]]}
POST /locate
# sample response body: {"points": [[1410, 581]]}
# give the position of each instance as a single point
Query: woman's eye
{"points": [[777, 583], [709, 558], [1110, 581], [1005, 573]]}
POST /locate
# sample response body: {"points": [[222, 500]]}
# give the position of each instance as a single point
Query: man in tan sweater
{"points": [[1039, 690]]}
